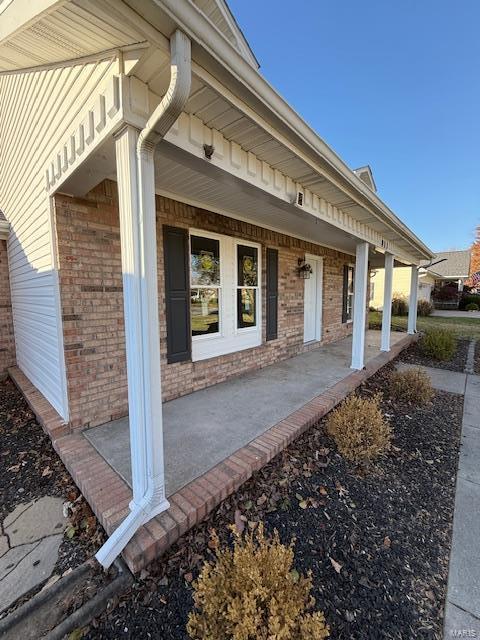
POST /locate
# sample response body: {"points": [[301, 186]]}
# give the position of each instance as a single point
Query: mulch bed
{"points": [[377, 542], [413, 354], [31, 469], [477, 357]]}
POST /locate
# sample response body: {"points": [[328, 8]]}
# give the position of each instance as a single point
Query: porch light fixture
{"points": [[208, 150], [304, 269]]}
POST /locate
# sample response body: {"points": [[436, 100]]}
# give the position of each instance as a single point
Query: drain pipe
{"points": [[147, 468]]}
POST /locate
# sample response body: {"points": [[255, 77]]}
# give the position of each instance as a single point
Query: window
{"points": [[205, 289], [348, 292], [225, 291], [372, 291], [247, 285]]}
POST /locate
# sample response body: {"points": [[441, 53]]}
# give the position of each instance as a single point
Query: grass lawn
{"points": [[461, 327]]}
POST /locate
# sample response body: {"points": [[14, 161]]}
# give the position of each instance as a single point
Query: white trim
{"points": [[230, 338], [228, 214], [318, 261]]}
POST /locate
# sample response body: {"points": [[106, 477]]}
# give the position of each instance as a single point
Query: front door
{"points": [[312, 317]]}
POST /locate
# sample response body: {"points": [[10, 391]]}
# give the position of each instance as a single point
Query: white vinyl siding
{"points": [[37, 111]]}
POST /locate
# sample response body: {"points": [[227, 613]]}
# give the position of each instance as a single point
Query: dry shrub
{"points": [[253, 593], [399, 305], [359, 428], [439, 344], [411, 385], [424, 308]]}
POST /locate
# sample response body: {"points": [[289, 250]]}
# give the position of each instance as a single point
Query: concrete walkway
{"points": [[215, 422], [439, 313], [30, 538], [462, 613]]}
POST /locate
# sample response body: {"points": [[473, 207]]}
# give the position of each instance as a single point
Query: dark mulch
{"points": [[389, 531], [477, 357], [31, 469], [413, 354]]}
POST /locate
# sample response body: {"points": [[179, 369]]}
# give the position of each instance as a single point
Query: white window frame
{"points": [[230, 338]]}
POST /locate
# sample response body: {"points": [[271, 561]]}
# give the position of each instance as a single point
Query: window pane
{"points": [[205, 261], [247, 266], [350, 279], [204, 311], [246, 307]]}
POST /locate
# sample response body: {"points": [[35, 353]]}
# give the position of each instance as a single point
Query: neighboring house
{"points": [[401, 284], [454, 268], [165, 204]]}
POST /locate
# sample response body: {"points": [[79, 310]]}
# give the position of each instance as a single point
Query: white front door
{"points": [[312, 315]]}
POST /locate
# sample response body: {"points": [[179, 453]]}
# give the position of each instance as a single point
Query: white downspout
{"points": [[147, 449]]}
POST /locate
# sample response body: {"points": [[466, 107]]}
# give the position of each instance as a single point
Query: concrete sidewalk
{"points": [[462, 612]]}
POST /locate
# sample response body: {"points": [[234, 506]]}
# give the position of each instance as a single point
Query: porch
{"points": [[234, 429], [203, 428]]}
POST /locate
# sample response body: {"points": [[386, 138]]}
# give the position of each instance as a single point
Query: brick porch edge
{"points": [[109, 495]]}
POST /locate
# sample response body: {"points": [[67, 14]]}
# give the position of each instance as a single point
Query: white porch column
{"points": [[387, 303], [360, 306], [142, 337], [412, 303]]}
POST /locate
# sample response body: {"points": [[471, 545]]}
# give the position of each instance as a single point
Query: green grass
{"points": [[461, 327]]}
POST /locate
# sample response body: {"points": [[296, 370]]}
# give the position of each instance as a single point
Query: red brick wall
{"points": [[91, 290], [7, 339]]}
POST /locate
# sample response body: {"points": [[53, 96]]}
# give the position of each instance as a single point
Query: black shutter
{"points": [[345, 293], [272, 294], [177, 293]]}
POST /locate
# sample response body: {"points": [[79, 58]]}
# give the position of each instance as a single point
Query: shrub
{"points": [[448, 292], [412, 385], [469, 298], [359, 428], [438, 343], [399, 306], [471, 306], [424, 308], [252, 593]]}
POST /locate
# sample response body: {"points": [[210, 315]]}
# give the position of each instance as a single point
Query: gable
{"points": [[219, 14], [365, 174]]}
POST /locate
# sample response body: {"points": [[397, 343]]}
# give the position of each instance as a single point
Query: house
{"points": [[453, 268], [401, 284], [173, 224]]}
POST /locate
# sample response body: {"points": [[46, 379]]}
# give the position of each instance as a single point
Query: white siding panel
{"points": [[37, 111]]}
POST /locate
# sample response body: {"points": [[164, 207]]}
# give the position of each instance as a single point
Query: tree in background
{"points": [[475, 257]]}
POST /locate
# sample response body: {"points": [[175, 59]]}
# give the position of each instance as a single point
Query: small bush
{"points": [[471, 306], [359, 428], [424, 308], [399, 306], [253, 592], [439, 344], [412, 385], [469, 298]]}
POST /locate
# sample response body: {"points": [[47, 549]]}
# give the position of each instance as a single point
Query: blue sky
{"points": [[393, 84]]}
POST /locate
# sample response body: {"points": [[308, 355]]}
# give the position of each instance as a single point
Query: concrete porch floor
{"points": [[205, 427]]}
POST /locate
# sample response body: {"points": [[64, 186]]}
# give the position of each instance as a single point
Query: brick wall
{"points": [[91, 290], [7, 340]]}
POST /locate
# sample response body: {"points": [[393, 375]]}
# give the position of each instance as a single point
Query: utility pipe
{"points": [[147, 467]]}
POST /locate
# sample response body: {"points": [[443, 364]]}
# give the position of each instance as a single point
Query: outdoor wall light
{"points": [[304, 269], [208, 149]]}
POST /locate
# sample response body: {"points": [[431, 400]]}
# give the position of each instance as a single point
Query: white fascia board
{"points": [[199, 28]]}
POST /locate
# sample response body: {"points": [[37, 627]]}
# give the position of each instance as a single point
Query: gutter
{"points": [[147, 472], [199, 28]]}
